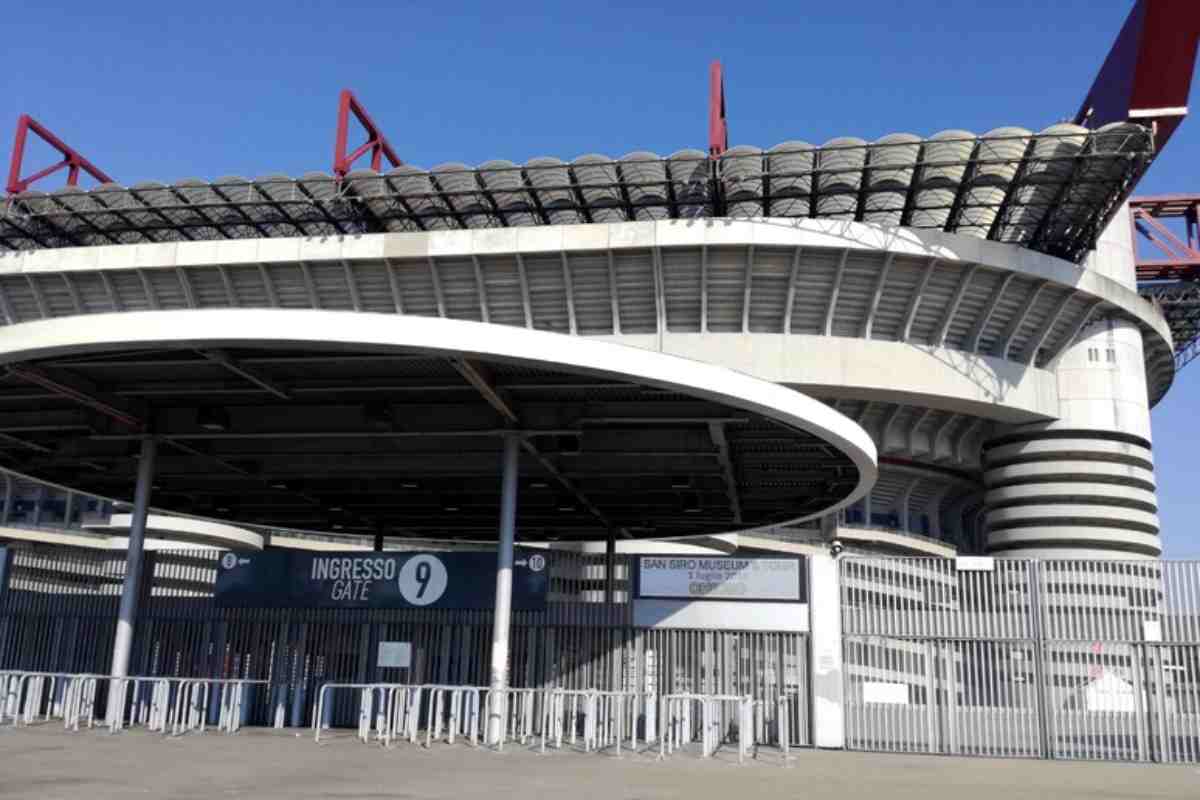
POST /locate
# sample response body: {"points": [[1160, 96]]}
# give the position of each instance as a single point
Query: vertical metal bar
{"points": [[502, 619]]}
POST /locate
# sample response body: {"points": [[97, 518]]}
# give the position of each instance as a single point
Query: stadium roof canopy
{"points": [[368, 423], [1051, 191]]}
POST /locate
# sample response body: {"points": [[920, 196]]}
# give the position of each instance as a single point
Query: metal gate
{"points": [[1056, 659], [59, 613]]}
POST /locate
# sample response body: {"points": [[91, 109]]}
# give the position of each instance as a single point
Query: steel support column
{"points": [[502, 619], [131, 588]]}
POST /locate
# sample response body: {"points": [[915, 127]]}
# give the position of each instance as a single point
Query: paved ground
{"points": [[49, 764]]}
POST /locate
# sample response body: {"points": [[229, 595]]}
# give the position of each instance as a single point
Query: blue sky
{"points": [[161, 91]]}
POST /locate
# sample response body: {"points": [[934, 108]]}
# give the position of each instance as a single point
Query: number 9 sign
{"points": [[422, 580]]}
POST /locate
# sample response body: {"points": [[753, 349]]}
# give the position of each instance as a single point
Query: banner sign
{"points": [[720, 578], [367, 579]]}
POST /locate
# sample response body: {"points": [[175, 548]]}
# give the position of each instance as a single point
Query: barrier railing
{"points": [[168, 705], [710, 719], [586, 719], [401, 711]]}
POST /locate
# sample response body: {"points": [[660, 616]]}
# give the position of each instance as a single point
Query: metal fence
{"points": [[58, 615], [1055, 659]]}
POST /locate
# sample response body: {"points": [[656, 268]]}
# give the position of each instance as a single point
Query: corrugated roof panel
{"points": [[726, 285], [505, 296], [548, 292], [681, 279], [460, 291], [769, 285], [593, 295]]}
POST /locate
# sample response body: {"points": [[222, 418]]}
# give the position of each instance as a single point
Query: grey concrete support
{"points": [[502, 620], [131, 589], [824, 603]]}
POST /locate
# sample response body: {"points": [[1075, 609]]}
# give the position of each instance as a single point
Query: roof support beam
{"points": [[904, 500], [228, 284], [269, 286], [394, 283], [703, 288], [963, 437], [976, 335], [791, 292], [309, 285], [1041, 336], [148, 288], [887, 427], [963, 285], [749, 280], [81, 391], [351, 286], [526, 306], [186, 285], [481, 290], [72, 290], [478, 376], [570, 486], [569, 287], [114, 299], [915, 302], [912, 431], [218, 356], [833, 293], [717, 431], [883, 276], [614, 296], [1015, 326], [43, 309], [936, 438], [1084, 318]]}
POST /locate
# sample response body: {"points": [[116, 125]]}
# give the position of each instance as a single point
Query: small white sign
{"points": [[895, 694], [719, 578], [1152, 630], [975, 564], [395, 654]]}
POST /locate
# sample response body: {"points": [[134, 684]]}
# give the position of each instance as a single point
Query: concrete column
{"points": [[132, 588], [825, 613], [502, 620]]}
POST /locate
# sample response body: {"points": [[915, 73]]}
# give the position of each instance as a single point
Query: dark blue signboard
{"points": [[365, 579]]}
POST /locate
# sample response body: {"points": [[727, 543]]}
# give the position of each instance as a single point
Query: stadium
{"points": [[912, 376]]}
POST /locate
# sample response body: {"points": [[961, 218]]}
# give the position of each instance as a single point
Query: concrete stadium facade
{"points": [[1007, 391]]}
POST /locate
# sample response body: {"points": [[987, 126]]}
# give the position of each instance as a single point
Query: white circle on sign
{"points": [[229, 561], [422, 580], [537, 563]]}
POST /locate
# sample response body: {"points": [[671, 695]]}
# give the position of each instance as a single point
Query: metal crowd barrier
{"points": [[168, 705], [708, 718], [588, 718], [177, 706]]}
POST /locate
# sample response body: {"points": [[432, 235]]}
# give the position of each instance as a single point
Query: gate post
{"points": [[6, 557], [1038, 610], [825, 614]]}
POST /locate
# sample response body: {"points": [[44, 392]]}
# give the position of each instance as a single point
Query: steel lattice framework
{"points": [[1050, 191]]}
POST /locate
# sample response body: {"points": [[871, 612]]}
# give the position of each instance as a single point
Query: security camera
{"points": [[836, 547]]}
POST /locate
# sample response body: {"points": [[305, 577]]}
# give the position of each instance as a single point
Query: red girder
{"points": [[718, 131], [73, 161], [1148, 73], [376, 142], [1182, 260]]}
